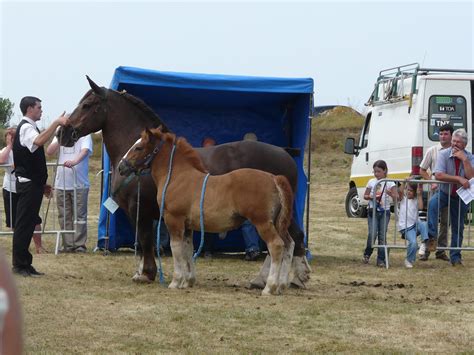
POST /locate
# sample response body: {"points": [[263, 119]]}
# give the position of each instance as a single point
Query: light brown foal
{"points": [[264, 199]]}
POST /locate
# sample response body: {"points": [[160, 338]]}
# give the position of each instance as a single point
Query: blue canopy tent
{"points": [[225, 108]]}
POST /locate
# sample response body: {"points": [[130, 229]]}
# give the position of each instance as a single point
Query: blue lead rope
{"points": [[201, 217], [138, 214], [162, 211]]}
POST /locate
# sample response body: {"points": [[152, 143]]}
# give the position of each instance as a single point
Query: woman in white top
{"points": [[9, 179]]}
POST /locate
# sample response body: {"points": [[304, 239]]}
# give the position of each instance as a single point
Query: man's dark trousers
{"points": [[30, 196]]}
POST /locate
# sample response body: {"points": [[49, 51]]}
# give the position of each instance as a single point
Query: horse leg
{"points": [[177, 249], [146, 272], [286, 265], [188, 263], [275, 247], [261, 279], [300, 267], [301, 270]]}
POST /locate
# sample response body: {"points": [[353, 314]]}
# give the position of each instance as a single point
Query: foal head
{"points": [[142, 153]]}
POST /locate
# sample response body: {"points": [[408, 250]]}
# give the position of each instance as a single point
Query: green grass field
{"points": [[87, 303]]}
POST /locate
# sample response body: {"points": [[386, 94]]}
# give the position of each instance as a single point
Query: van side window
{"points": [[445, 109], [364, 138]]}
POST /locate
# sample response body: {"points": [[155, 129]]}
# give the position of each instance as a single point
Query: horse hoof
{"points": [[188, 283], [302, 270], [271, 290], [142, 279], [173, 284], [282, 288], [192, 282], [297, 283], [257, 283], [303, 277]]}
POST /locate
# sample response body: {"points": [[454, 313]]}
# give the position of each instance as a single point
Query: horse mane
{"points": [[145, 108], [188, 152]]}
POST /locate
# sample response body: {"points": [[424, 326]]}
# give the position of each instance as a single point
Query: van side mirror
{"points": [[350, 147]]}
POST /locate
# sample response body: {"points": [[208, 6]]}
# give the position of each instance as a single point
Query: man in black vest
{"points": [[31, 176]]}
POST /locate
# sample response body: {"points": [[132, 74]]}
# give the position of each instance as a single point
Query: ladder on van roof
{"points": [[390, 83]]}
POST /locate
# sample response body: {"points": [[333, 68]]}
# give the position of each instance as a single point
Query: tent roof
{"points": [[224, 107], [139, 76]]}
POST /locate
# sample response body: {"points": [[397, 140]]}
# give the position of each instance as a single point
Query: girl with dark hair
{"points": [[9, 179], [378, 214]]}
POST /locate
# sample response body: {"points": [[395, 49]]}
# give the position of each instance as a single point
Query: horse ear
{"points": [[148, 133], [155, 131], [96, 88]]}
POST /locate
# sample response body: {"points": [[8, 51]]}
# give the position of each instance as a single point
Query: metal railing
{"points": [[396, 242]]}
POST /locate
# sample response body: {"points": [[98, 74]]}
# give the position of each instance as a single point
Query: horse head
{"points": [[87, 117], [142, 153]]}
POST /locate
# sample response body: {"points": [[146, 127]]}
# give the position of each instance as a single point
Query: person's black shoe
{"points": [[442, 257], [21, 271], [34, 272], [424, 257], [252, 255]]}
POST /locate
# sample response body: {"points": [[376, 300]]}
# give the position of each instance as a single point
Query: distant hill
{"points": [[329, 132], [331, 127]]}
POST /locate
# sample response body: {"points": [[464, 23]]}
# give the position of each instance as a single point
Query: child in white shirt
{"points": [[378, 226], [409, 224]]}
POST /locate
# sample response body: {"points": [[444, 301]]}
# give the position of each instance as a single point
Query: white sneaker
{"points": [[408, 264], [422, 249]]}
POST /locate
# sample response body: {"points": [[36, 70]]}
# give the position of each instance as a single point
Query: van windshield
{"points": [[364, 138]]}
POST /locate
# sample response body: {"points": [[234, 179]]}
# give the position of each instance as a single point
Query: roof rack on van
{"points": [[390, 85], [424, 71]]}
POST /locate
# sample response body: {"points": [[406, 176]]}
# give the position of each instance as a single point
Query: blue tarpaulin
{"points": [[224, 107]]}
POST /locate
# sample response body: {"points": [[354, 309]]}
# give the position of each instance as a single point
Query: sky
{"points": [[47, 48]]}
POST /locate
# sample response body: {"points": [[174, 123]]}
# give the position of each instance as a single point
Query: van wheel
{"points": [[354, 209]]}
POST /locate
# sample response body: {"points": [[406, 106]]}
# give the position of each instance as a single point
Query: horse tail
{"points": [[286, 211]]}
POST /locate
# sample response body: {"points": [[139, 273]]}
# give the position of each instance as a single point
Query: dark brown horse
{"points": [[264, 199], [122, 117]]}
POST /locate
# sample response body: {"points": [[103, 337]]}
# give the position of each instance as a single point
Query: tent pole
{"points": [[107, 221], [308, 184]]}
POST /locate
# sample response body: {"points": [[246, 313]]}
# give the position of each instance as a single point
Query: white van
{"points": [[405, 111]]}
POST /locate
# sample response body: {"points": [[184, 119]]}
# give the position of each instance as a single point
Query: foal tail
{"points": [[285, 214]]}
